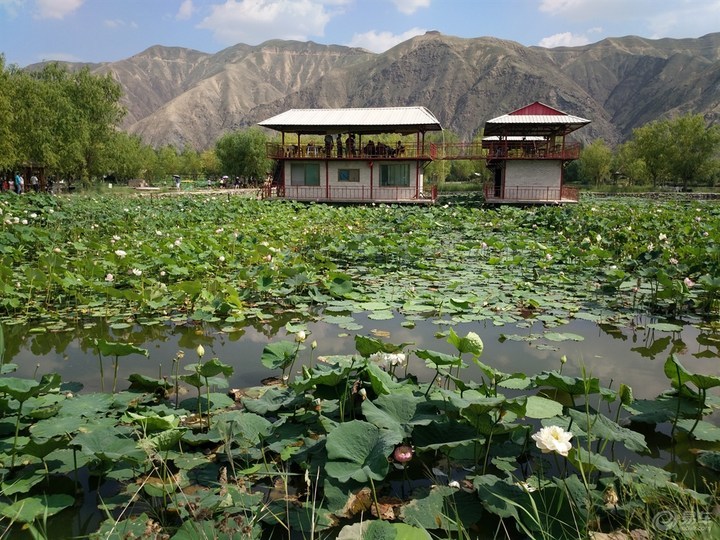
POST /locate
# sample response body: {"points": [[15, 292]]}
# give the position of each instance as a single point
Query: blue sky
{"points": [[109, 30]]}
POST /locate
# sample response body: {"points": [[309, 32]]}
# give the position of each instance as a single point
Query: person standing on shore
{"points": [[19, 183]]}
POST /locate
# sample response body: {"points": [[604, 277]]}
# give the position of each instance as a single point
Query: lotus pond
{"points": [[409, 359]]}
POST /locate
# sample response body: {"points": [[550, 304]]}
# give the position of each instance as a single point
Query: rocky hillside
{"points": [[188, 98]]}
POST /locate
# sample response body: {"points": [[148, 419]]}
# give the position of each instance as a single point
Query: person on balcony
{"points": [[350, 145], [339, 145], [370, 148], [328, 144]]}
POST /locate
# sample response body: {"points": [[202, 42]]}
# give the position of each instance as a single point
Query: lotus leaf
{"points": [[28, 509], [359, 451]]}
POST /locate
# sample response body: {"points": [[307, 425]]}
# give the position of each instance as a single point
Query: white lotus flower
{"points": [[553, 439], [689, 283], [120, 253], [109, 278], [136, 272], [300, 337]]}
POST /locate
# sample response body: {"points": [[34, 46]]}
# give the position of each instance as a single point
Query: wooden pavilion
{"points": [[331, 155], [526, 150]]}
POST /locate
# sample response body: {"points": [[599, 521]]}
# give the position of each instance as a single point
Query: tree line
{"points": [[68, 122], [679, 152]]}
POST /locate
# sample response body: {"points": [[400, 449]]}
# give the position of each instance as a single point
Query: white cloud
{"points": [[119, 23], [382, 41], [57, 9], [686, 19], [650, 18], [564, 39], [58, 56], [11, 7], [255, 21], [186, 10], [410, 6]]}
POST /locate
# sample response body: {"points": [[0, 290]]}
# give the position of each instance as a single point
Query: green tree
{"points": [[210, 163], [628, 166], [63, 120], [96, 106], [692, 156], [244, 153], [595, 161], [126, 156], [8, 137], [683, 149], [190, 163]]}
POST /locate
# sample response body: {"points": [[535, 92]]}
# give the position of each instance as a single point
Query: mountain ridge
{"points": [[188, 98]]}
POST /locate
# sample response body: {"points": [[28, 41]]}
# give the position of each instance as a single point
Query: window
{"points": [[305, 174], [348, 175], [395, 174]]}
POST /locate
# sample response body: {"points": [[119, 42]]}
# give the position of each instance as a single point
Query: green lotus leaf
{"points": [[540, 407], [279, 355], [28, 509], [602, 427], [108, 445], [565, 336], [214, 367], [710, 459], [680, 376], [23, 389], [702, 431], [444, 436], [359, 451], [273, 399], [112, 348], [152, 422], [393, 412], [438, 358]]}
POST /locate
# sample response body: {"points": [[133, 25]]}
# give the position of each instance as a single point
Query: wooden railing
{"points": [[531, 193], [530, 150], [351, 194], [314, 152], [487, 150]]}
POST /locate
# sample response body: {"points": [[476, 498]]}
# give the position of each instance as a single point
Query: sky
{"points": [[109, 30]]}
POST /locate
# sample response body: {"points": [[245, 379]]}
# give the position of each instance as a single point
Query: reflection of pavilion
{"points": [[318, 160], [526, 151]]}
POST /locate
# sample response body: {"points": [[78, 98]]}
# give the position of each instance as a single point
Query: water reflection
{"points": [[633, 355]]}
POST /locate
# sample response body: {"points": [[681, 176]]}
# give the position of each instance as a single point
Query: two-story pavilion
{"points": [[335, 154], [526, 151]]}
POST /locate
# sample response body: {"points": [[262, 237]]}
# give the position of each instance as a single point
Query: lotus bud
{"points": [[200, 351], [300, 337], [403, 453], [313, 345]]}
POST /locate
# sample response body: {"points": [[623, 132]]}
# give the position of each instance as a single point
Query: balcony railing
{"points": [[531, 194], [311, 152], [486, 150], [347, 194], [530, 150]]}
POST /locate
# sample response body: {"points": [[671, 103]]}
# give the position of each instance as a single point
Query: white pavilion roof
{"points": [[358, 120]]}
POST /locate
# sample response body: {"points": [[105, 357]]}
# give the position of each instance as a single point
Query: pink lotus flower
{"points": [[403, 453]]}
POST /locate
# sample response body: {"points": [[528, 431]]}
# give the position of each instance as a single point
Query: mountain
{"points": [[189, 98]]}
